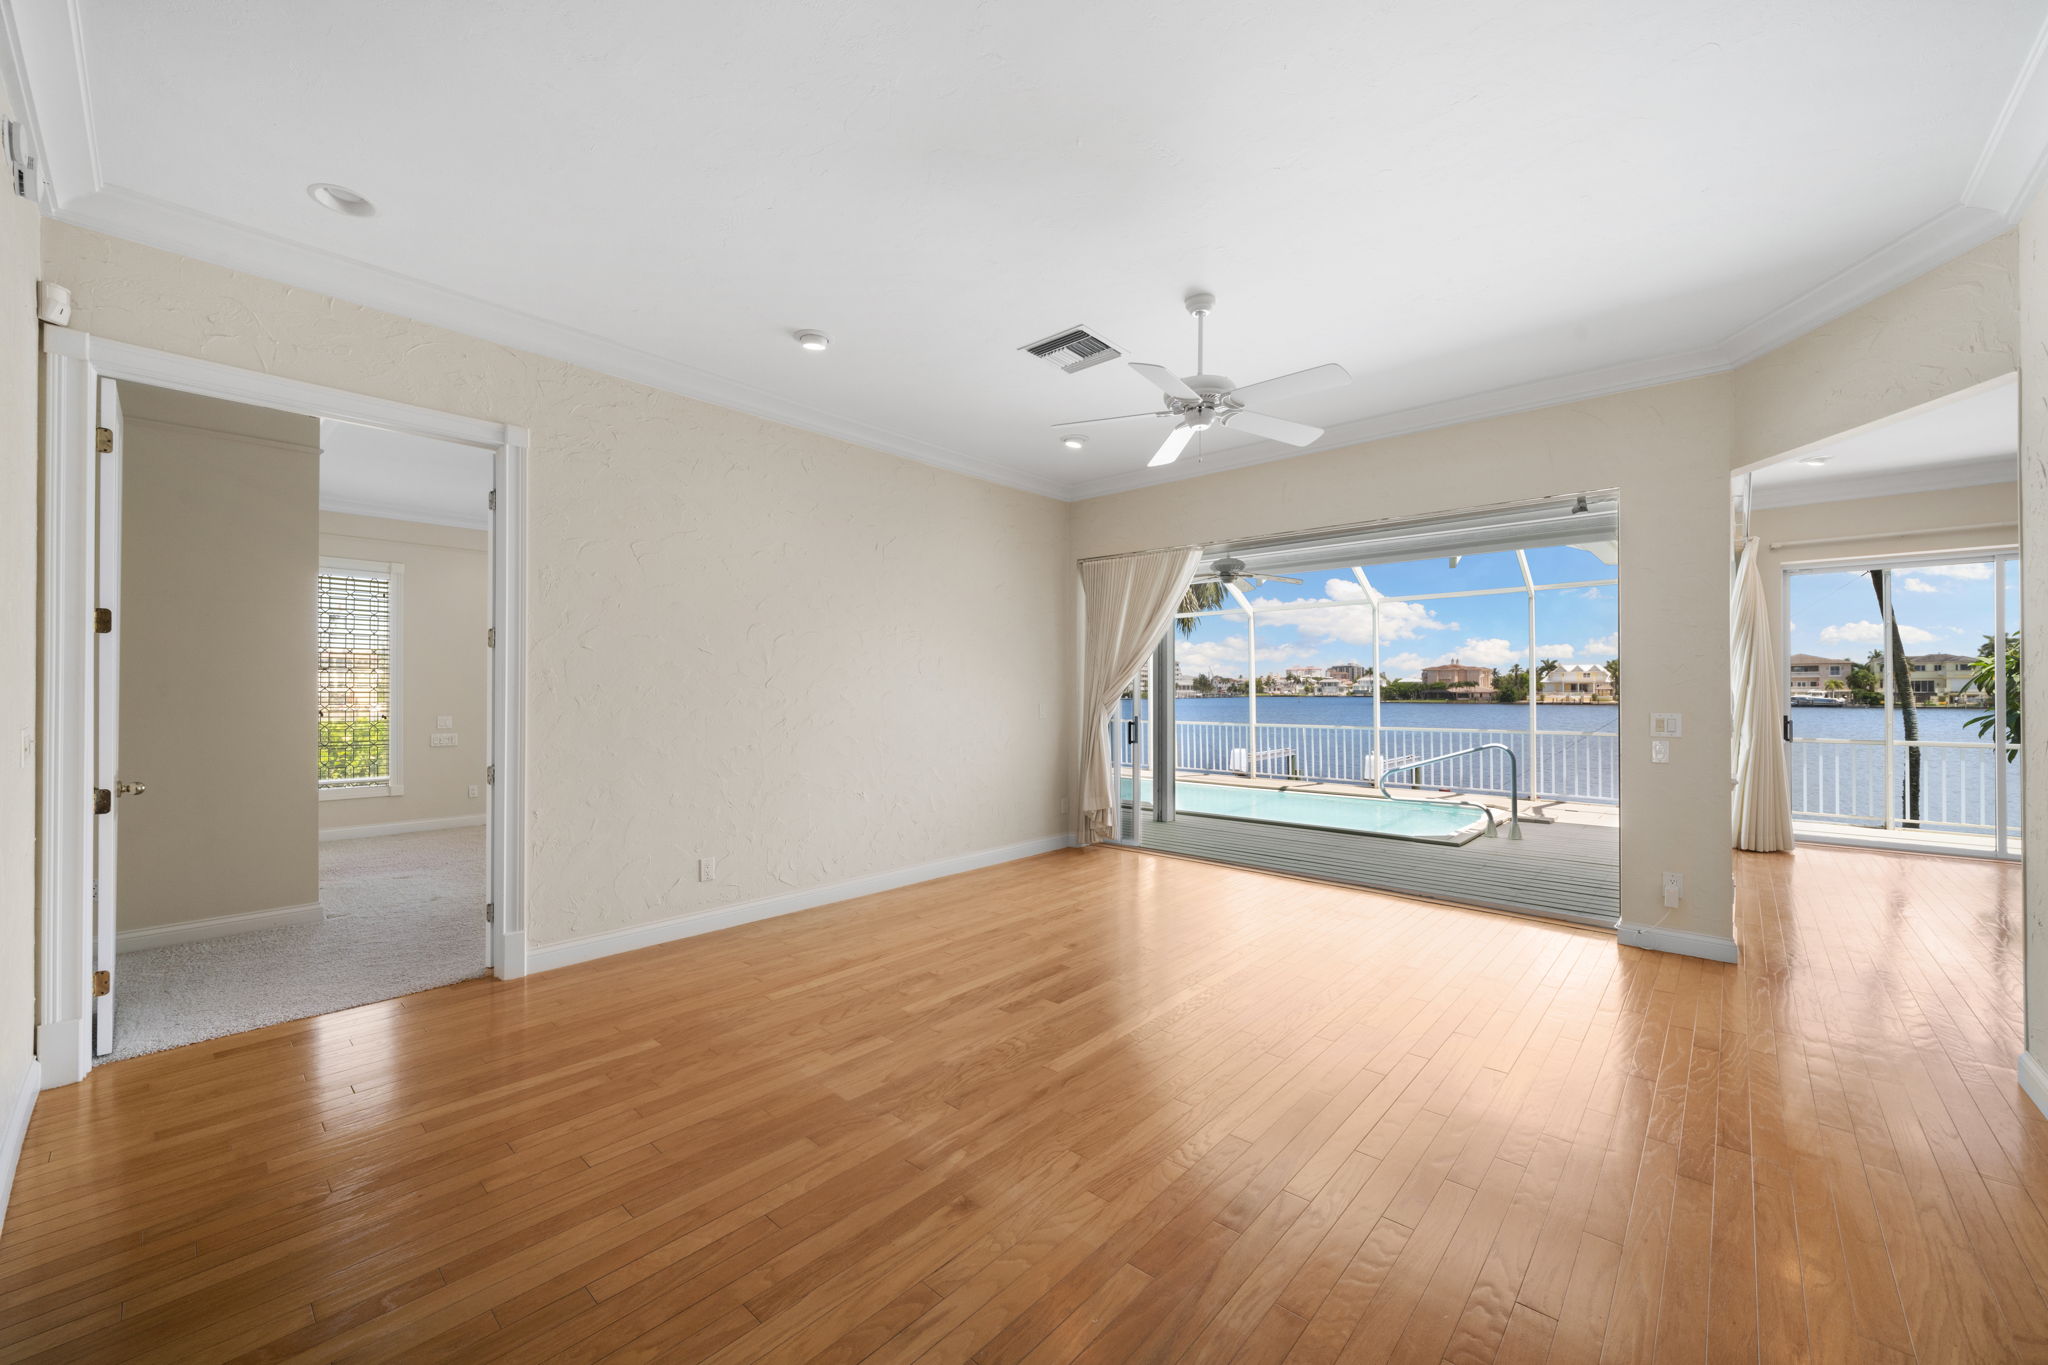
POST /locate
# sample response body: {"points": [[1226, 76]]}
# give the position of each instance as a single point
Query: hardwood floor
{"points": [[1099, 1107]]}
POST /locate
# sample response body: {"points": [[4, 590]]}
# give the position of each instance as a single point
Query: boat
{"points": [[1818, 699]]}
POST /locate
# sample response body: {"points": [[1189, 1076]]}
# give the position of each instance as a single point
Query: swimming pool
{"points": [[1430, 821]]}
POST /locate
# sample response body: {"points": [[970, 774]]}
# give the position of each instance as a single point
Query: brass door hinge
{"points": [[102, 983], [491, 638], [490, 913], [102, 801], [103, 440], [491, 774], [494, 499], [103, 620]]}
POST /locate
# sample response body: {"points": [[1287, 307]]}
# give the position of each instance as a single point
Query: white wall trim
{"points": [[1684, 942], [21, 1107], [400, 827], [546, 956], [2034, 1080], [56, 105], [64, 1050], [74, 363], [217, 926]]}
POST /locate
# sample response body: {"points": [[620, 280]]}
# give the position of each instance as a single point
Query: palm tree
{"points": [[1985, 680], [1902, 693], [1544, 668], [1613, 667], [1199, 597]]}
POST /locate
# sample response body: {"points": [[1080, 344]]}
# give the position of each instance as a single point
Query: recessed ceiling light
{"points": [[340, 199], [1816, 459], [1073, 442], [813, 341]]}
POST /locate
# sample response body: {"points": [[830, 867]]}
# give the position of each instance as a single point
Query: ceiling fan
{"points": [[1202, 401], [1230, 571]]}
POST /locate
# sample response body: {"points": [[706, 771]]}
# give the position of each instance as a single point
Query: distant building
{"points": [[1574, 682], [1332, 687], [1944, 678], [1349, 672], [1812, 673], [1467, 680]]}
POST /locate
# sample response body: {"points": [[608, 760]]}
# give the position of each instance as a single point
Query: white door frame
{"points": [[74, 362]]}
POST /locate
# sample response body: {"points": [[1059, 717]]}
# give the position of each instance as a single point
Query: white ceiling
{"points": [[1956, 442], [1474, 207], [377, 473]]}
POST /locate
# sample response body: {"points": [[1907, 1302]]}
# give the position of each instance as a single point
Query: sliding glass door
{"points": [[1902, 701]]}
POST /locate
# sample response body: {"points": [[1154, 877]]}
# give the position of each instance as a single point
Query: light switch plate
{"points": [[441, 739], [1667, 724], [444, 722]]}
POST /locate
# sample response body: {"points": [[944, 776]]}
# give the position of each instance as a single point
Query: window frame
{"points": [[394, 575]]}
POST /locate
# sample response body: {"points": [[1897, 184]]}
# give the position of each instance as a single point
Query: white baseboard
{"points": [[1684, 942], [546, 956], [20, 1106], [399, 827], [64, 1051], [2034, 1080], [219, 926]]}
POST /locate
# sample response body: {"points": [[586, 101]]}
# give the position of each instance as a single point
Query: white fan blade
{"points": [[1274, 578], [1291, 385], [1274, 428], [1166, 381], [1092, 421], [1169, 450]]}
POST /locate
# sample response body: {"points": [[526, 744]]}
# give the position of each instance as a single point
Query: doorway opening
{"points": [[282, 740], [1428, 707]]}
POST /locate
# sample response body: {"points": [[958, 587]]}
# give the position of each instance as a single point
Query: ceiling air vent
{"points": [[1073, 350]]}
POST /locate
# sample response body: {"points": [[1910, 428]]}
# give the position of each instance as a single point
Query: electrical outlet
{"points": [[1674, 889], [1660, 751], [707, 869], [441, 739], [474, 791]]}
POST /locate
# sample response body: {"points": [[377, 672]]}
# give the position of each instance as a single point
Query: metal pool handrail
{"points": [[1514, 787]]}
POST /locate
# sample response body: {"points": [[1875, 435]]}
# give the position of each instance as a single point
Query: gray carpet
{"points": [[404, 912]]}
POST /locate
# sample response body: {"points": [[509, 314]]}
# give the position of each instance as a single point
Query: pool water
{"points": [[1430, 821]]}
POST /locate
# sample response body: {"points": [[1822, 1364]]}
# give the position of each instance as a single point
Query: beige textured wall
{"points": [[444, 668], [807, 659], [19, 462], [1666, 450], [1955, 326], [219, 535], [2033, 305]]}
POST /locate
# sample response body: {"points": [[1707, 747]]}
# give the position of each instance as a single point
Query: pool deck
{"points": [[1544, 810], [1560, 869]]}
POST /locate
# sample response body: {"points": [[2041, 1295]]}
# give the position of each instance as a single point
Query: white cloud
{"points": [[1915, 585], [1606, 645], [1555, 651], [1348, 619], [1488, 653], [1973, 572], [1872, 632], [1223, 658]]}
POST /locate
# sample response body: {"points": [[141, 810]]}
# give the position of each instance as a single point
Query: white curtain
{"points": [[1762, 814], [1130, 601]]}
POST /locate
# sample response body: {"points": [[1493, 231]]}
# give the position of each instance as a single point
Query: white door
{"points": [[107, 701]]}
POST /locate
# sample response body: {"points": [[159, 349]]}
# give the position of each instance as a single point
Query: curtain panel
{"points": [[1129, 601], [1761, 818]]}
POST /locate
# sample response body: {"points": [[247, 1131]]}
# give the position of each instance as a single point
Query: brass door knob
{"points": [[129, 789]]}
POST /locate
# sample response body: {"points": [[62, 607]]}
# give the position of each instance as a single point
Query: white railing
{"points": [[1853, 781], [1568, 764]]}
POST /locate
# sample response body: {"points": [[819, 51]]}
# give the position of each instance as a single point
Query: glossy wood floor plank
{"points": [[1096, 1107]]}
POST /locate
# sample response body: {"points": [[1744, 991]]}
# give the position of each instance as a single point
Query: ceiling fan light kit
{"points": [[1203, 400]]}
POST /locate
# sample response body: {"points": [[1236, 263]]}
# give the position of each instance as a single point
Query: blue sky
{"points": [[1572, 625], [1947, 609]]}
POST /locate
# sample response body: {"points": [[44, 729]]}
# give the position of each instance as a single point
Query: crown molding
{"points": [[51, 88], [1974, 473], [393, 511]]}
